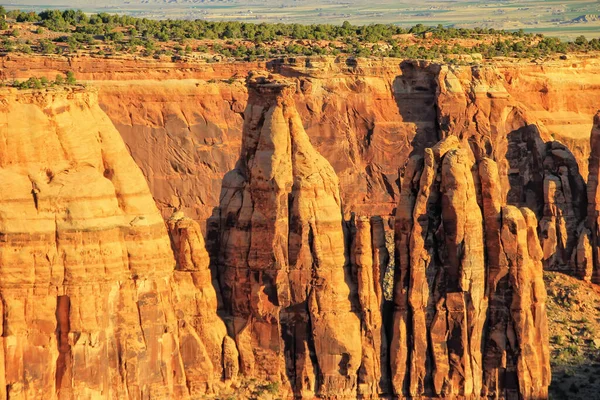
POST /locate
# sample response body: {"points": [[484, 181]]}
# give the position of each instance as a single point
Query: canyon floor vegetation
{"points": [[574, 323]]}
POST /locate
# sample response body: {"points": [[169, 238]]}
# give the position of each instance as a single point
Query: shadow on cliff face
{"points": [[525, 155], [415, 95], [544, 176], [63, 306], [377, 330]]}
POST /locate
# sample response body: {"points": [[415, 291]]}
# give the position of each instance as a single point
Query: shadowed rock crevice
{"points": [[474, 104], [544, 176], [63, 306], [415, 94], [369, 259], [468, 291]]}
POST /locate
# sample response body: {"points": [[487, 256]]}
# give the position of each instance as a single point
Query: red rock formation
{"points": [[86, 268], [281, 262], [303, 299], [208, 353], [583, 256], [444, 284], [476, 106], [516, 348], [370, 266], [182, 120], [593, 214]]}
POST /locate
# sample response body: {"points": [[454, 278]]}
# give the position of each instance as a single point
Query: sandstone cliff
{"points": [[587, 257], [294, 290], [469, 313], [183, 121], [208, 354], [307, 306], [91, 305], [475, 105], [282, 258], [366, 117]]}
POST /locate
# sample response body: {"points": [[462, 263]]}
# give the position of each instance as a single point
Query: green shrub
{"points": [[71, 78], [25, 48], [558, 340], [272, 387], [47, 47]]}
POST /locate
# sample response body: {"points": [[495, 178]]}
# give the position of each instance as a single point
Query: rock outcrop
{"points": [[281, 264], [535, 171], [99, 302], [208, 354], [516, 348], [370, 259], [469, 314], [91, 305], [588, 254]]}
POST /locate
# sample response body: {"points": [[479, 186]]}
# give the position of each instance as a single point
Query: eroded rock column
{"points": [[282, 255], [208, 354], [464, 286], [593, 214]]}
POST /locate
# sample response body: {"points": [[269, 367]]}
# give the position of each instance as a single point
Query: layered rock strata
{"points": [[97, 301], [469, 313], [90, 303], [182, 122], [282, 264]]}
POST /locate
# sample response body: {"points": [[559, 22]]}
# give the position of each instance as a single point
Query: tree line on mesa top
{"points": [[43, 82], [112, 34]]}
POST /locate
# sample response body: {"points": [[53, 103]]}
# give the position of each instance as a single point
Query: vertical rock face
{"points": [[564, 209], [518, 359], [516, 347], [369, 259], [448, 298], [208, 353], [91, 308], [588, 266], [85, 259], [535, 171], [282, 257], [97, 302]]}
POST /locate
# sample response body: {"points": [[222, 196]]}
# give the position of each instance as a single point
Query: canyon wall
{"points": [[183, 121], [366, 117], [91, 305], [469, 299], [317, 186]]}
